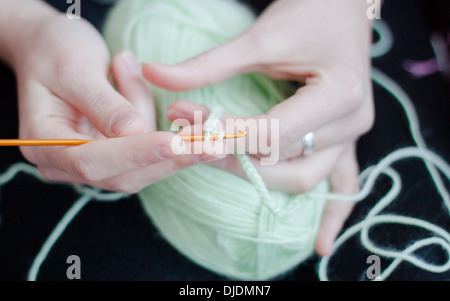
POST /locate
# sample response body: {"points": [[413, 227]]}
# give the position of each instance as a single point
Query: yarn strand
{"points": [[56, 234], [431, 161], [87, 194]]}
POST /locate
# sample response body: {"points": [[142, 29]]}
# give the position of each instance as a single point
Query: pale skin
{"points": [[62, 69], [63, 73]]}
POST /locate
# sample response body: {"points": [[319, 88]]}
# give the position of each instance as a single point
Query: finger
{"points": [[136, 180], [132, 181], [192, 112], [343, 180], [133, 87], [296, 176], [95, 160], [107, 158], [48, 118], [102, 159], [210, 67], [58, 176], [88, 90], [312, 107], [315, 105], [188, 110], [342, 130], [339, 131]]}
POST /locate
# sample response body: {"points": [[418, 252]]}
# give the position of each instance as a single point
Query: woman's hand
{"points": [[62, 68], [324, 45]]}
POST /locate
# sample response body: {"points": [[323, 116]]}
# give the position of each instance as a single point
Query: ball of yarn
{"points": [[214, 217]]}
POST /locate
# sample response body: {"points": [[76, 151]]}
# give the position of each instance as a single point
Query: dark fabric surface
{"points": [[116, 241]]}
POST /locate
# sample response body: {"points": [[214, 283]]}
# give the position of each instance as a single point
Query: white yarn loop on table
{"points": [[385, 41], [370, 175], [87, 193], [431, 161], [373, 218]]}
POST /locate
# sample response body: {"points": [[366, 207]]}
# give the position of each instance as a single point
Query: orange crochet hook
{"points": [[34, 142], [213, 136], [45, 142]]}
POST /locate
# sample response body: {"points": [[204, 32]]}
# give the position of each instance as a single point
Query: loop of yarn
{"points": [[369, 176], [211, 124], [385, 39]]}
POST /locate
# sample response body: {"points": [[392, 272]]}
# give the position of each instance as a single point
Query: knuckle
{"points": [[124, 186], [287, 134], [81, 167], [67, 70], [99, 103], [272, 132]]}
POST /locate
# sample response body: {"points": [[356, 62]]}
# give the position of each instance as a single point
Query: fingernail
{"points": [[130, 62], [121, 122]]}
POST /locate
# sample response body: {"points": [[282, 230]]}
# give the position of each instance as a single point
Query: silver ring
{"points": [[308, 144]]}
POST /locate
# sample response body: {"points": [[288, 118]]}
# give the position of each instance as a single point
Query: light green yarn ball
{"points": [[213, 217]]}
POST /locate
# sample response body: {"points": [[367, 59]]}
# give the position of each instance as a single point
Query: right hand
{"points": [[62, 73]]}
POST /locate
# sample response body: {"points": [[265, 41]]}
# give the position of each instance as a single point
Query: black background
{"points": [[116, 241]]}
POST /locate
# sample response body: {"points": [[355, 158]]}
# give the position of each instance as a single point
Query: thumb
{"points": [[110, 113], [213, 66]]}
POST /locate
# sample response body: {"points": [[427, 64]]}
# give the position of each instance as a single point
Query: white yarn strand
{"points": [[431, 160], [87, 194], [385, 42], [55, 235]]}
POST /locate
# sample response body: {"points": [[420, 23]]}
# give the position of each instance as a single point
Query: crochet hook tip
{"points": [[241, 134], [214, 137]]}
